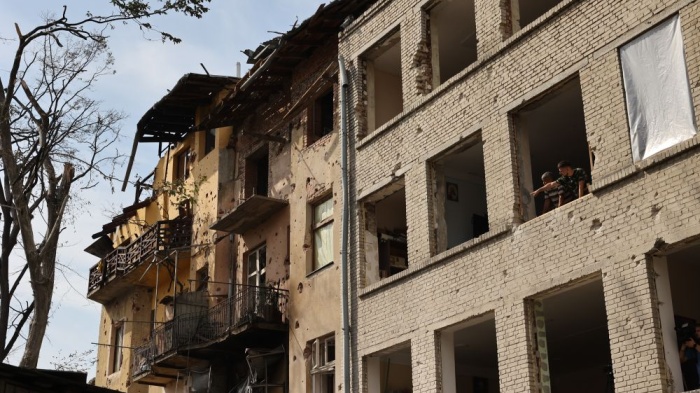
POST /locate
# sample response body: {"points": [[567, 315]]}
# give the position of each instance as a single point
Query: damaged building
{"points": [[460, 282], [223, 275], [229, 275]]}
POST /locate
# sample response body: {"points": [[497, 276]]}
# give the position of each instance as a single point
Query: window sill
{"points": [[645, 164], [320, 269], [456, 251], [319, 141], [487, 58]]}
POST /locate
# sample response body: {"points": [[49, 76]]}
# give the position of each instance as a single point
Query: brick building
{"points": [[460, 284]]}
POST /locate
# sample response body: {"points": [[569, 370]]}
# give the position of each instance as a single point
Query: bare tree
{"points": [[54, 141]]}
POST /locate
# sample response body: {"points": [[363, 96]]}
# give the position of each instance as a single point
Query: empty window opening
{"points": [[257, 261], [209, 140], [384, 92], [524, 12], [657, 92], [257, 168], [202, 281], [323, 364], [390, 372], [459, 187], [573, 315], [452, 38], [321, 116], [323, 234], [550, 130], [469, 357], [386, 246], [679, 311]]}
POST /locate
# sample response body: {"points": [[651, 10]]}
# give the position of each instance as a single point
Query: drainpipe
{"points": [[344, 271]]}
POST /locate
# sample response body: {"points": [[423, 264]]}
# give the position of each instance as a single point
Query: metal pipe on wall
{"points": [[344, 271]]}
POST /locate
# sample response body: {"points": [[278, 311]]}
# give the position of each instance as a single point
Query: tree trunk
{"points": [[43, 292]]}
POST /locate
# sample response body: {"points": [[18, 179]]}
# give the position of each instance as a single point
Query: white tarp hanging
{"points": [[659, 104]]}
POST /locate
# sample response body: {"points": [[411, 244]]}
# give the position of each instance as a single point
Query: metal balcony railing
{"points": [[164, 235], [248, 305]]}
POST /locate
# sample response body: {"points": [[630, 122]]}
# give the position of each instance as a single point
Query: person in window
{"points": [[572, 180], [555, 197], [689, 355]]}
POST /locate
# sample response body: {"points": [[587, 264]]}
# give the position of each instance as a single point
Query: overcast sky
{"points": [[145, 69]]}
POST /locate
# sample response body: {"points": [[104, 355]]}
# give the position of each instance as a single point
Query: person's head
{"points": [[547, 177], [565, 168], [697, 330]]}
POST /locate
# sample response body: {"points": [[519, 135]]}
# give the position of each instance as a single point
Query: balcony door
{"points": [[256, 267], [253, 294]]}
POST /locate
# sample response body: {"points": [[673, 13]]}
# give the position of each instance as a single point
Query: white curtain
{"points": [[659, 104], [323, 236]]}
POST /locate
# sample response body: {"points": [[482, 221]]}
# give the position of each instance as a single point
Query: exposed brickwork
{"points": [[606, 234]]}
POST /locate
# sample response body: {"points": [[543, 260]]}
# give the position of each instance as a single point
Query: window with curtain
{"points": [[323, 233], [657, 92]]}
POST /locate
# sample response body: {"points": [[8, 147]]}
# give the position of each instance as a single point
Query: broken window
{"points": [[256, 266], [452, 38], [209, 140], [573, 317], [390, 371], [677, 291], [117, 344], [459, 189], [320, 122], [323, 364], [383, 73], [548, 130], [469, 356], [202, 280], [524, 12], [323, 233], [386, 246], [182, 164], [659, 104], [257, 168]]}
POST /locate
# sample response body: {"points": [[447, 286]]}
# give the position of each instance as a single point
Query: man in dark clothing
{"points": [[573, 181]]}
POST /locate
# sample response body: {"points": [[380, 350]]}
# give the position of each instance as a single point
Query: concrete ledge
{"points": [[646, 164]]}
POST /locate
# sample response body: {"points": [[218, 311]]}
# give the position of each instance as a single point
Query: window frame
{"points": [[260, 271], [322, 375], [182, 164], [209, 142], [315, 123], [117, 341], [317, 226]]}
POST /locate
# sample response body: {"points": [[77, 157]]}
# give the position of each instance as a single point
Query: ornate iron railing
{"points": [[248, 305], [164, 235]]}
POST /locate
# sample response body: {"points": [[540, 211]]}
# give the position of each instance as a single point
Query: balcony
{"points": [[249, 214], [254, 316], [125, 267]]}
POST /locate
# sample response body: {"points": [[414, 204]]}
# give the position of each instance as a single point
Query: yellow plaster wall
{"points": [[130, 310], [314, 307]]}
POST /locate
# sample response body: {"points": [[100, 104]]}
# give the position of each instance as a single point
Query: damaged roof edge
{"points": [[173, 116], [323, 24]]}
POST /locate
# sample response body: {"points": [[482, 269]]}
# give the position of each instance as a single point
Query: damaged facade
{"points": [[458, 280], [247, 298], [461, 284]]}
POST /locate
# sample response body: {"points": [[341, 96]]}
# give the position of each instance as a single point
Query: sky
{"points": [[145, 68]]}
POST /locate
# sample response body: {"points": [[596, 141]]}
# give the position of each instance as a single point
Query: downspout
{"points": [[344, 271]]}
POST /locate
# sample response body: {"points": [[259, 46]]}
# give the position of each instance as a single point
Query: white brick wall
{"points": [[497, 274]]}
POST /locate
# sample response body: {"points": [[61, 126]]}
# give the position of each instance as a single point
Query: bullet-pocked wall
{"points": [[607, 233], [128, 317]]}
